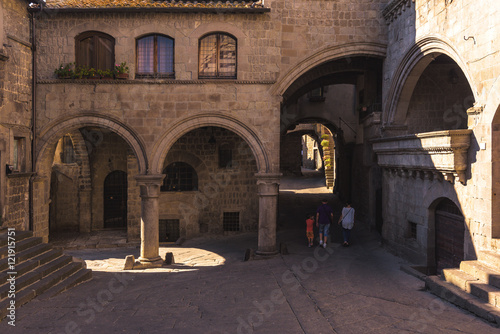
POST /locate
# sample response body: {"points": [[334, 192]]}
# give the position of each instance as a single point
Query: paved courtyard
{"points": [[210, 289]]}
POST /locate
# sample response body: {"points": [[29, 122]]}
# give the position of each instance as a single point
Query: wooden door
{"points": [[450, 231]]}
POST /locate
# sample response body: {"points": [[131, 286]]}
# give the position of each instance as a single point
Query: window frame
{"points": [[217, 74], [194, 178], [94, 35], [19, 154], [170, 75]]}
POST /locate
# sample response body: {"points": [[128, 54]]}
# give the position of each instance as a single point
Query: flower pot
{"points": [[122, 76]]}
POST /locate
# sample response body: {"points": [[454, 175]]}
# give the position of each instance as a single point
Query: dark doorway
{"points": [[115, 200], [450, 231]]}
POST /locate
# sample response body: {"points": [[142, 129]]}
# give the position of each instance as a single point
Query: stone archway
{"points": [[258, 148], [267, 181], [329, 53], [405, 78], [45, 149]]}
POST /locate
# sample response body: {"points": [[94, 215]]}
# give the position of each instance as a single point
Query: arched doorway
{"points": [[450, 234], [115, 200]]}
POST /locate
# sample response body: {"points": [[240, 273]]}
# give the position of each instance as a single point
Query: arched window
{"points": [[179, 177], [155, 57], [217, 56], [95, 49]]}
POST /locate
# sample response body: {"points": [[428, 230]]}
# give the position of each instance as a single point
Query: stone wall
{"points": [[418, 33], [15, 110], [232, 189]]}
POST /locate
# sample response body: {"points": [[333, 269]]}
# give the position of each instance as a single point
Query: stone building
{"points": [[15, 114], [196, 139]]}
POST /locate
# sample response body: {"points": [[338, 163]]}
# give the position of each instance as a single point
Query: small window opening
{"points": [[231, 221]]}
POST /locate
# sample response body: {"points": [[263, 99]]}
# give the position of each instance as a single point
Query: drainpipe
{"points": [[33, 117]]}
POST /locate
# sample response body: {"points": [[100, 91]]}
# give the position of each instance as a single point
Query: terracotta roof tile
{"points": [[150, 4]]}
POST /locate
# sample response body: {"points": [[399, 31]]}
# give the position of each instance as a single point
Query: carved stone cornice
{"points": [[395, 9], [442, 153]]}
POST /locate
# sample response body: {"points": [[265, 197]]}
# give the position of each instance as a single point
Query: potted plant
{"points": [[325, 143], [81, 72], [121, 71], [92, 74], [64, 71], [105, 74]]}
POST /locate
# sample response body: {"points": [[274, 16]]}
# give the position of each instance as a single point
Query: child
{"points": [[309, 229]]}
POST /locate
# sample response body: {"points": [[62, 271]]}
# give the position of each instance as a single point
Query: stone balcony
{"points": [[428, 155]]}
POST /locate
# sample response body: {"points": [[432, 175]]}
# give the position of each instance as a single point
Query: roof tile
{"points": [[150, 4]]}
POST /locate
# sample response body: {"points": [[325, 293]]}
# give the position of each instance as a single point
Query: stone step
{"points": [[457, 296], [482, 271], [459, 278], [18, 236], [20, 245], [32, 263], [25, 255], [35, 275], [82, 275], [490, 258], [43, 285], [473, 285]]}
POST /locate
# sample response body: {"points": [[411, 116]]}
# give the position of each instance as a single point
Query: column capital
{"points": [[268, 177], [150, 184], [268, 183]]}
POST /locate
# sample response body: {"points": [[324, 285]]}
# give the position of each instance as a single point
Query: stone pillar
{"points": [[268, 185], [150, 192]]}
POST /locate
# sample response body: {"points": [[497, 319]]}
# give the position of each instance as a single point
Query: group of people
{"points": [[324, 217]]}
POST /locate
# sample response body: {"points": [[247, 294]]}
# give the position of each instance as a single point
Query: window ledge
{"points": [[154, 81]]}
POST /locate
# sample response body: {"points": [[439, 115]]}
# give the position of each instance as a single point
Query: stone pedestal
{"points": [[268, 185], [150, 191]]}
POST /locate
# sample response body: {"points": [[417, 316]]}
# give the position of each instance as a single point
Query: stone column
{"points": [[268, 185], [150, 192]]}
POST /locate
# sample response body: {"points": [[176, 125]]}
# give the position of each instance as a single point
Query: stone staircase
{"points": [[475, 286], [38, 269]]}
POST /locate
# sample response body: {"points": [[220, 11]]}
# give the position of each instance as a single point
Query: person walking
{"points": [[310, 229], [324, 216], [347, 221]]}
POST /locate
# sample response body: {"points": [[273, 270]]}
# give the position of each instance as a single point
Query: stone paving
{"points": [[210, 289]]}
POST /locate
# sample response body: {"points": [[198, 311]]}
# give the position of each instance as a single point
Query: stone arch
{"points": [[45, 149], [329, 53], [220, 120], [406, 76], [56, 130]]}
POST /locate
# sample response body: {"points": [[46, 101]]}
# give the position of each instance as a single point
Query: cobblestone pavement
{"points": [[210, 289]]}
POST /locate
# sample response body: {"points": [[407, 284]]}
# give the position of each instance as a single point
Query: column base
{"points": [[266, 254], [149, 263]]}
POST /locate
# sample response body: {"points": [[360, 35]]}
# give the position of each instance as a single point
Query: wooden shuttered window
{"points": [[95, 50]]}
